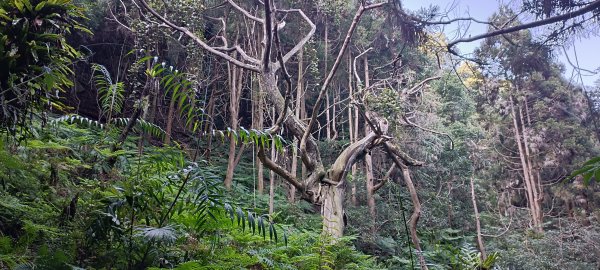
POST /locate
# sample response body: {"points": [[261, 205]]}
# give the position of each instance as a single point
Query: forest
{"points": [[298, 134]]}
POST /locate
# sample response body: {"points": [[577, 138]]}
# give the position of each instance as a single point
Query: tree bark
{"points": [[332, 210], [235, 76], [414, 218], [258, 123], [272, 177], [480, 244], [529, 186], [170, 118], [351, 131], [370, 179]]}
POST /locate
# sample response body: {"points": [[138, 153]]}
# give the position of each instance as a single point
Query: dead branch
{"points": [[245, 12], [288, 80], [198, 41], [278, 169], [395, 151], [386, 178], [332, 72], [429, 130], [589, 8], [303, 41]]}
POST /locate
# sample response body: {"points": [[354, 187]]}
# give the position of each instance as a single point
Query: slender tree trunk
{"points": [[529, 186], [370, 179], [450, 209], [235, 77], [258, 124], [170, 117], [537, 188], [327, 116], [351, 131], [299, 111], [209, 122], [272, 174], [336, 94], [414, 218], [480, 244], [293, 171]]}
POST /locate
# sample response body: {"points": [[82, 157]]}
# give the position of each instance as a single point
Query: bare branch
{"points": [[199, 41], [288, 80], [415, 88], [358, 80], [242, 53], [589, 8], [306, 38], [429, 130], [332, 72], [395, 151], [245, 12], [348, 157], [387, 176], [278, 169]]}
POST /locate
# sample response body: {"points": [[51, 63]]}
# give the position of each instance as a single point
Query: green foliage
{"points": [[589, 170], [111, 94], [35, 57]]}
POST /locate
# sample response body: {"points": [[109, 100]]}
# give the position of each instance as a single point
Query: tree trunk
{"points": [[235, 76], [209, 122], [370, 179], [336, 94], [293, 171], [414, 218], [327, 105], [332, 210], [351, 133], [257, 123], [529, 186], [414, 197], [537, 187], [480, 244], [272, 177], [170, 117]]}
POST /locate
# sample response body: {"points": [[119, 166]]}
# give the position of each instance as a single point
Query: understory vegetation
{"points": [[183, 134]]}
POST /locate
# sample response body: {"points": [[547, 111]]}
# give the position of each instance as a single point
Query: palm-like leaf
{"points": [[164, 235], [111, 93]]}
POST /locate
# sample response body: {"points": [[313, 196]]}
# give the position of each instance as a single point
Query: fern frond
{"points": [[78, 119], [111, 93], [143, 126], [162, 235]]}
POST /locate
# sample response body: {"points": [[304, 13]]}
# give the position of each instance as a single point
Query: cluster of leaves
{"points": [[589, 170], [151, 209], [35, 57]]}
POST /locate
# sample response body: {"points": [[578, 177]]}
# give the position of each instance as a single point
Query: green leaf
{"points": [[20, 5], [251, 222], [40, 5], [592, 161]]}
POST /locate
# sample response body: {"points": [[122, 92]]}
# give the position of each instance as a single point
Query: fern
{"points": [[141, 125], [164, 235], [111, 93]]}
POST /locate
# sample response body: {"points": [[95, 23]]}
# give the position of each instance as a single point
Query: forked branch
{"points": [[198, 41], [332, 72]]}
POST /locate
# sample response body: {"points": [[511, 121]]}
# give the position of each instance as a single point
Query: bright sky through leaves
{"points": [[581, 51]]}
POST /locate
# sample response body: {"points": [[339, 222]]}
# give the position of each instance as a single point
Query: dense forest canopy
{"points": [[285, 134]]}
